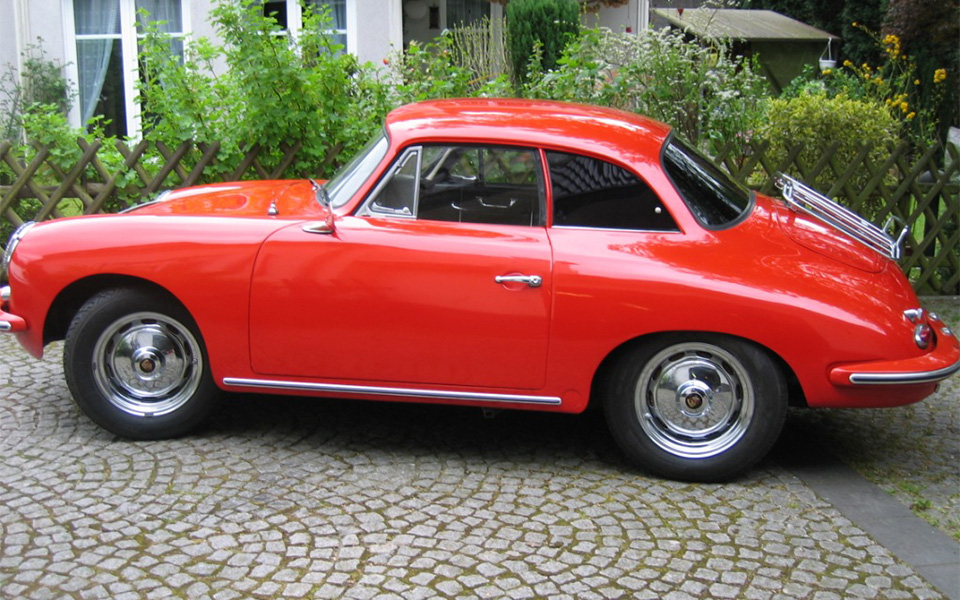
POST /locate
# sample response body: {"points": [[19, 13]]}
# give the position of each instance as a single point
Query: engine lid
{"points": [[813, 234]]}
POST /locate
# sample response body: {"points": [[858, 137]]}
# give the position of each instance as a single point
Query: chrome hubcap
{"points": [[147, 364], [694, 400]]}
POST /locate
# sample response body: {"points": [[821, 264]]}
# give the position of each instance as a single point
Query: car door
{"points": [[442, 278]]}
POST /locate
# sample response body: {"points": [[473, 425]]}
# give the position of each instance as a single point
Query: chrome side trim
{"points": [[5, 326], [271, 384], [904, 378]]}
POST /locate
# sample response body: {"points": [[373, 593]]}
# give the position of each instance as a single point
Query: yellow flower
{"points": [[848, 64], [892, 44], [939, 75], [911, 116], [827, 71], [916, 82]]}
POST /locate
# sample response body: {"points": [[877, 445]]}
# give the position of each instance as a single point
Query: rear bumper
{"points": [[932, 367]]}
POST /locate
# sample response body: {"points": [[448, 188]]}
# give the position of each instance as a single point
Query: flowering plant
{"points": [[912, 98]]}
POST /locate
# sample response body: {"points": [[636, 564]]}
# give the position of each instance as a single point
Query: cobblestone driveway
{"points": [[325, 499]]}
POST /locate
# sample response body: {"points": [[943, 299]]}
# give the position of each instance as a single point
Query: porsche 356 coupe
{"points": [[495, 253]]}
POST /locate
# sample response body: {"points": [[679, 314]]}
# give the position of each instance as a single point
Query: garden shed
{"points": [[783, 46]]}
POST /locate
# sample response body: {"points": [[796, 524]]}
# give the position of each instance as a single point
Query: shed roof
{"points": [[742, 24]]}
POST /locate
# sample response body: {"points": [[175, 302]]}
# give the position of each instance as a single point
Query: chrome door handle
{"points": [[531, 280]]}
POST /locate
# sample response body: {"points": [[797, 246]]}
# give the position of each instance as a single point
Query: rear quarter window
{"points": [[592, 193], [714, 198]]}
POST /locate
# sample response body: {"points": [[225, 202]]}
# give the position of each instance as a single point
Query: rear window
{"points": [[716, 200]]}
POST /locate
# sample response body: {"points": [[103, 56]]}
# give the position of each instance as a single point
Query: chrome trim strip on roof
{"points": [[904, 378], [270, 384]]}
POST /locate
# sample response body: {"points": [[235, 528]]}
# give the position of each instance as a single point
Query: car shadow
{"points": [[411, 430]]}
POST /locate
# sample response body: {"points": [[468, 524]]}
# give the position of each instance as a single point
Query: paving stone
{"points": [[300, 498]]}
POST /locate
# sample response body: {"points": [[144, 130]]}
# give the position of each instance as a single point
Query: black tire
{"points": [[136, 365], [696, 407]]}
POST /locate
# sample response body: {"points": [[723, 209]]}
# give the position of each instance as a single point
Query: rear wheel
{"points": [[697, 408], [136, 365]]}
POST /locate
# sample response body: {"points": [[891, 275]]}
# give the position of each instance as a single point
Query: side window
{"points": [[464, 184], [397, 195], [588, 192], [481, 184]]}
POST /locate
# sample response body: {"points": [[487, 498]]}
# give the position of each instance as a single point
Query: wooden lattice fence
{"points": [[918, 187]]}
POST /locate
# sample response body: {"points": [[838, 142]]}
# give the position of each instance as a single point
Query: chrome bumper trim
{"points": [[904, 378], [389, 391], [5, 326]]}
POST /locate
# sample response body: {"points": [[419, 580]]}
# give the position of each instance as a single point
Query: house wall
{"points": [[377, 29], [8, 35], [23, 23], [629, 17]]}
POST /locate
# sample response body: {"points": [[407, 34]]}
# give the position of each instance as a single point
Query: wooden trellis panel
{"points": [[919, 187]]}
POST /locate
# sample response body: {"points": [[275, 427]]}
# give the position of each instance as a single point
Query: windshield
{"points": [[716, 200], [344, 185]]}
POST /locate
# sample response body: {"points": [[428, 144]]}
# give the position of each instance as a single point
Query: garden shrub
{"points": [[540, 26], [813, 121], [41, 82], [481, 48], [437, 70], [276, 91], [710, 97]]}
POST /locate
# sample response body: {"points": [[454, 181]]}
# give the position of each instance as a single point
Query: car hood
{"points": [[279, 199], [813, 234]]}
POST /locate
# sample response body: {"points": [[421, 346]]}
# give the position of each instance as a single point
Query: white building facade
{"points": [[96, 40]]}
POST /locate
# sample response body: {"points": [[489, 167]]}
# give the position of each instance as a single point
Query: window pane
{"points": [[398, 196], [588, 192], [348, 180], [480, 184], [338, 12], [96, 17], [277, 10], [713, 197], [100, 68], [167, 12]]}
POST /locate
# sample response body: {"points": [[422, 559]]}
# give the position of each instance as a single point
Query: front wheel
{"points": [[696, 408], [136, 365]]}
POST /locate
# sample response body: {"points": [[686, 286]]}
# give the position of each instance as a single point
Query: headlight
{"points": [[12, 244]]}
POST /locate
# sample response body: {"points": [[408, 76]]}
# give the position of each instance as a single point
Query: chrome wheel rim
{"points": [[147, 364], [694, 400]]}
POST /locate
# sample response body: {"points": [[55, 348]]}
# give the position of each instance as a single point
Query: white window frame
{"points": [[128, 37]]}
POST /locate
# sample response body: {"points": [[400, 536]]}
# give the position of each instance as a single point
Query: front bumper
{"points": [[9, 323], [937, 365]]}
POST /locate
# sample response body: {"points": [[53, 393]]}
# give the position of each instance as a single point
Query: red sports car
{"points": [[494, 253]]}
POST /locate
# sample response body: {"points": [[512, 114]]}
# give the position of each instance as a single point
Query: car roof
{"points": [[541, 123]]}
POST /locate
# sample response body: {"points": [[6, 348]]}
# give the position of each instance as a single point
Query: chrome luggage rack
{"points": [[805, 199]]}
